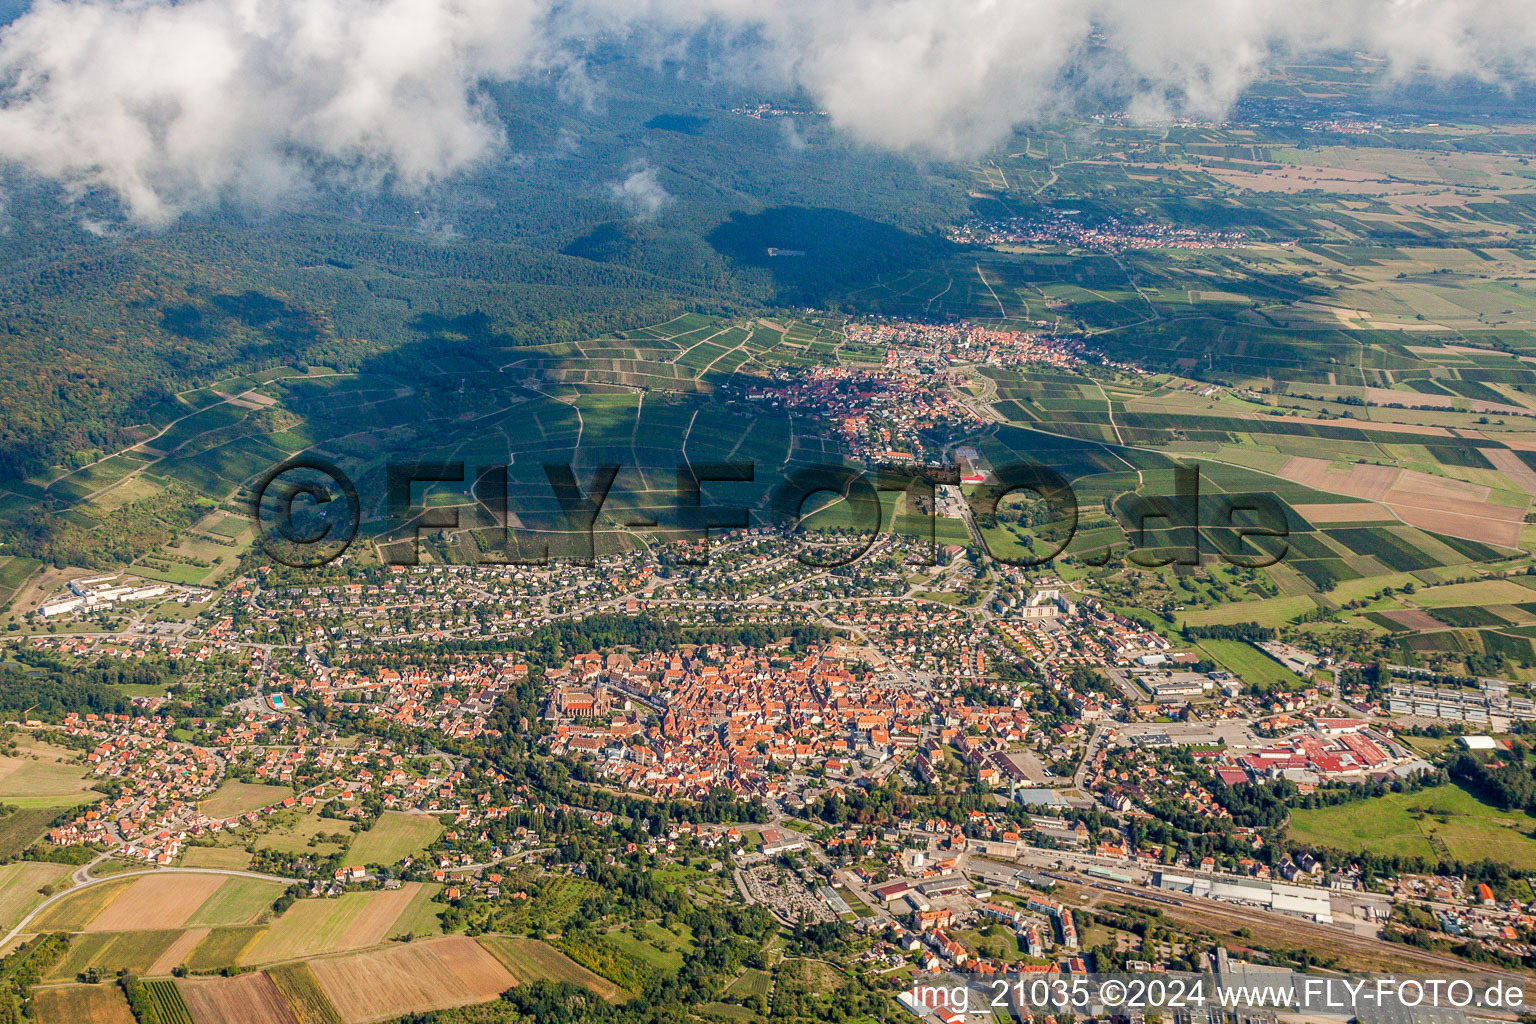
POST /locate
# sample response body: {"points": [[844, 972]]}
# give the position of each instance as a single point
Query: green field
{"points": [[167, 1001], [394, 837], [222, 948], [235, 798], [44, 776], [111, 952], [228, 857], [553, 907], [350, 921], [1440, 822], [20, 829], [1252, 665], [300, 832], [658, 947], [422, 916], [19, 885], [238, 901], [751, 983]]}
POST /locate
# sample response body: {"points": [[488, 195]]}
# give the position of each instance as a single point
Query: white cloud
{"points": [[176, 104], [641, 194]]}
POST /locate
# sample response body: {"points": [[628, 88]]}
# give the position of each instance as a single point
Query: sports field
{"points": [[1438, 822]]}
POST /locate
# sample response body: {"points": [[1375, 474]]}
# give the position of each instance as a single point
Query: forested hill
{"points": [[101, 326]]}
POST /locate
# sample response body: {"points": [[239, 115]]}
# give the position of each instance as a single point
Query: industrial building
{"points": [[1302, 900]]}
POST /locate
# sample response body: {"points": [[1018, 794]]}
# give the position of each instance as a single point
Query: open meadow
{"points": [[235, 798], [1439, 822], [394, 837]]}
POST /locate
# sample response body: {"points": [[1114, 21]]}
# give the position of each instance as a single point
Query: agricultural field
{"points": [[752, 983], [75, 912], [178, 952], [81, 1004], [1439, 822], [394, 837], [110, 952], [161, 902], [20, 882], [353, 920], [222, 947], [43, 776], [244, 999], [227, 857], [156, 902], [167, 1001], [531, 960], [21, 828], [411, 977], [302, 992], [238, 901]]}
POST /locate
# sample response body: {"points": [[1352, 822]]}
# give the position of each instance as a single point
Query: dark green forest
{"points": [[98, 330]]}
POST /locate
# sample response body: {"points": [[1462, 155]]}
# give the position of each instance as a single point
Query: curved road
{"points": [[87, 882]]}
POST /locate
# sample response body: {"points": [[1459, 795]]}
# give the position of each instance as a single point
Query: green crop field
{"points": [[751, 983], [238, 901], [1439, 822], [394, 837], [110, 952], [222, 948], [167, 1001]]}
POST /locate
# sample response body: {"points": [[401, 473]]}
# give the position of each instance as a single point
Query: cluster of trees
{"points": [[556, 642], [1507, 782], [1229, 631], [39, 686]]}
